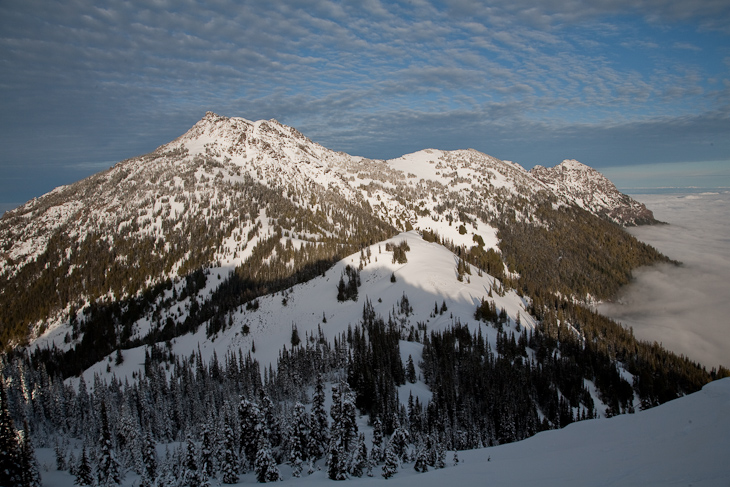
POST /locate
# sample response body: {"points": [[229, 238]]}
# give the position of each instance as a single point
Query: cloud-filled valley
{"points": [[685, 308]]}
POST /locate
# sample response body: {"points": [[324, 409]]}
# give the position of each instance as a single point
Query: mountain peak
{"points": [[592, 191]]}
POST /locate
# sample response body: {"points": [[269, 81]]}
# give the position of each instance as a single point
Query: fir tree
{"points": [[298, 430], [207, 458], [229, 465], [28, 463], [191, 475], [10, 473], [250, 420], [149, 459], [376, 453], [360, 458], [60, 453], [83, 471], [107, 472], [410, 370], [421, 464], [390, 467], [265, 466], [320, 425]]}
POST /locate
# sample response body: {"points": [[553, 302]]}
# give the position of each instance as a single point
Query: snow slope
{"points": [[429, 278], [682, 442]]}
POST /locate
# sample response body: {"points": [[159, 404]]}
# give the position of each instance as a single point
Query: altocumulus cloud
{"points": [[603, 81]]}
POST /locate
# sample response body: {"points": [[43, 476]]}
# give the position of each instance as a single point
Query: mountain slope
{"points": [[590, 190]]}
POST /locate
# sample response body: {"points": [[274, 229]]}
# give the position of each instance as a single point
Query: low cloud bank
{"points": [[685, 308]]}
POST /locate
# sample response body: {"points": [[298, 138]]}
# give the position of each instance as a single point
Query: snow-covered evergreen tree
{"points": [[192, 476], [229, 463], [421, 464], [108, 470], [250, 421], [10, 473], [343, 434], [390, 467], [298, 439], [28, 463], [360, 460], [376, 453], [207, 457], [149, 460], [83, 471], [320, 425], [265, 465]]}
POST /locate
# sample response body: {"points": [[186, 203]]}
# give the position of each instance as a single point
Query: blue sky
{"points": [[612, 83]]}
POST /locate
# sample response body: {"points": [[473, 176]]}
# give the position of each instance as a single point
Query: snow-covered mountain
{"points": [[592, 191], [243, 260]]}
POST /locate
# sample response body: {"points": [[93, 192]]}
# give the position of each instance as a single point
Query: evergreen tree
{"points": [[421, 464], [107, 472], [191, 475], [298, 431], [229, 465], [10, 473], [410, 370], [344, 431], [390, 467], [320, 425], [264, 465], [60, 453], [83, 471], [207, 457], [376, 453], [149, 459], [28, 463], [250, 420], [360, 458]]}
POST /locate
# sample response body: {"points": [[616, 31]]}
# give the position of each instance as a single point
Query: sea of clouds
{"points": [[687, 307]]}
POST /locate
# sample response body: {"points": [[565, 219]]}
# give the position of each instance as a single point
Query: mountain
{"points": [[592, 191], [243, 263]]}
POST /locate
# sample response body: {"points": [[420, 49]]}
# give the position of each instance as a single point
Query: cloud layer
{"points": [[685, 308], [601, 81]]}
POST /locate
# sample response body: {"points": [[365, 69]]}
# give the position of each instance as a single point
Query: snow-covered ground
{"points": [[685, 308], [427, 280], [680, 443]]}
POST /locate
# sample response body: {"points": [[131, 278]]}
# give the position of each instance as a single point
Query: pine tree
{"points": [[191, 475], [265, 466], [107, 472], [320, 425], [344, 431], [149, 459], [390, 467], [250, 420], [28, 463], [421, 464], [298, 439], [360, 459], [410, 370], [207, 458], [229, 465], [83, 471], [10, 473], [376, 453], [60, 453]]}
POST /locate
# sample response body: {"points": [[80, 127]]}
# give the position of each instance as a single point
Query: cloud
{"points": [[84, 81], [685, 308]]}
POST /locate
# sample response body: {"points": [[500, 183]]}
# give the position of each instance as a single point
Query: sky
{"points": [[685, 307], [612, 83]]}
